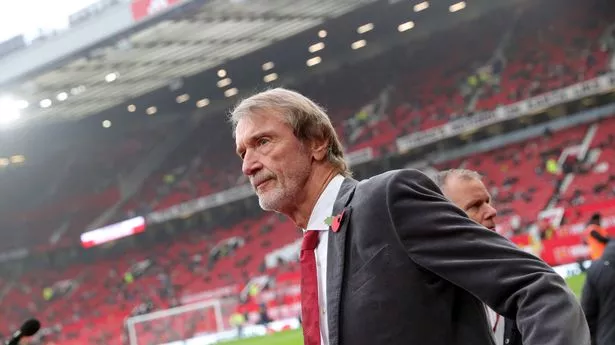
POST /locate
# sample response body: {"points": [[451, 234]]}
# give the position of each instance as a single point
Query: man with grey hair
{"points": [[467, 191], [390, 260]]}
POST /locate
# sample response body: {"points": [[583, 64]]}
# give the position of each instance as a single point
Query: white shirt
{"points": [[322, 210], [496, 323]]}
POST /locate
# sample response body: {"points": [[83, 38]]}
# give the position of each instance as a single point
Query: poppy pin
{"points": [[335, 222]]}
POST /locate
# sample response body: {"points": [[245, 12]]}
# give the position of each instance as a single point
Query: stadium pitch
{"points": [[576, 284], [295, 337]]}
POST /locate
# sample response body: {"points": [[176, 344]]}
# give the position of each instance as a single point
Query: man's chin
{"points": [[266, 208], [267, 204]]}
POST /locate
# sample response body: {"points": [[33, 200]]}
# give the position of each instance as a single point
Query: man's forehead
{"points": [[255, 123], [465, 187]]}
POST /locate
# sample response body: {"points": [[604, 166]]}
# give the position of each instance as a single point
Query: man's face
{"points": [[472, 196], [276, 162]]}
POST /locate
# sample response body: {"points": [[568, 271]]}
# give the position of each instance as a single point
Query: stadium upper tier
{"points": [[407, 89], [63, 193], [550, 50]]}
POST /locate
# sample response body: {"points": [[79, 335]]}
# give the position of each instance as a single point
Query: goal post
{"points": [[175, 325]]}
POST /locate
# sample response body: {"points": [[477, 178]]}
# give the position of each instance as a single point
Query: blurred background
{"points": [[124, 215]]}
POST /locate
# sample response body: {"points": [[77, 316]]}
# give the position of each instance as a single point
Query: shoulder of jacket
{"points": [[378, 185], [385, 177]]}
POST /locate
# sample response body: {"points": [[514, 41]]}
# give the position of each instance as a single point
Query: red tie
{"points": [[309, 289]]}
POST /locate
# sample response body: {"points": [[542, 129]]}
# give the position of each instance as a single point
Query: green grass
{"points": [[296, 338], [576, 284], [283, 338]]}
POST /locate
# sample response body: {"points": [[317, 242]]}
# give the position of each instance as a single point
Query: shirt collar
{"points": [[324, 206]]}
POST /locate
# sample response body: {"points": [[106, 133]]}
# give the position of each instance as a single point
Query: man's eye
{"points": [[262, 141]]}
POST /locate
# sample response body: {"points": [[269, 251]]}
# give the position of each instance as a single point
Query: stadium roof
{"points": [[162, 51]]}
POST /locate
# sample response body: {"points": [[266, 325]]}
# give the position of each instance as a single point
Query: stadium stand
{"points": [[405, 90], [548, 53], [407, 97], [425, 87], [201, 167], [72, 186], [591, 179], [99, 295], [517, 177]]}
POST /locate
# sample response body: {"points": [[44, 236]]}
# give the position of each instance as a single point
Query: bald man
{"points": [[466, 190]]}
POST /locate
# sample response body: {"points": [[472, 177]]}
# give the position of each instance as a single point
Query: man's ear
{"points": [[320, 148]]}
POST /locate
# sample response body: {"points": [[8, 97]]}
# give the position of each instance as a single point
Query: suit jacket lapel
{"points": [[335, 258]]}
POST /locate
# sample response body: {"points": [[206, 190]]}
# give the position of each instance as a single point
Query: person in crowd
{"points": [[546, 229], [467, 191], [598, 297], [390, 260], [238, 320], [263, 313], [595, 236]]}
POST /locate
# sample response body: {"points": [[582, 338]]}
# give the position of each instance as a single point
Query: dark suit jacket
{"points": [[408, 267], [598, 299], [511, 333]]}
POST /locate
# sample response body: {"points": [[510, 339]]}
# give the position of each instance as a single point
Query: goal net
{"points": [[181, 325]]}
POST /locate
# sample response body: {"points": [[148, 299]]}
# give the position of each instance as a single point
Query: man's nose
{"points": [[250, 164], [491, 212]]}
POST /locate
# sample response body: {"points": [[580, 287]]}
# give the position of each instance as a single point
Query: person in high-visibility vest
{"points": [[47, 293], [595, 236], [238, 320]]}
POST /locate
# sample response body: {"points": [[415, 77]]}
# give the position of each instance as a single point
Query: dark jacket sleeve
{"points": [[598, 237], [591, 305], [441, 238], [511, 333]]}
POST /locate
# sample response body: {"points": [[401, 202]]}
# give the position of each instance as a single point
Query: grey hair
{"points": [[464, 174], [307, 119]]}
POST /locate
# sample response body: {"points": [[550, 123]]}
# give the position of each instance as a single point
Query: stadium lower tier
{"points": [[97, 305]]}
